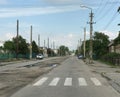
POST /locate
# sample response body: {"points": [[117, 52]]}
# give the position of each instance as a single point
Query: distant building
{"points": [[45, 52], [111, 46], [55, 51], [117, 48], [114, 48]]}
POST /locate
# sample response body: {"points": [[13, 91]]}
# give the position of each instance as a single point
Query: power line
{"points": [[107, 11], [102, 8], [111, 20], [97, 10]]}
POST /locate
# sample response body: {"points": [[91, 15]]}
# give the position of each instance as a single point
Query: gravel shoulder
{"points": [[13, 80]]}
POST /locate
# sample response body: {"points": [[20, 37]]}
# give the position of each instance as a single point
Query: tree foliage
{"points": [[117, 40], [35, 48], [63, 50], [9, 45], [12, 45], [22, 45], [100, 44]]}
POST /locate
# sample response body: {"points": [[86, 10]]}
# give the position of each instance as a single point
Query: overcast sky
{"points": [[60, 20]]}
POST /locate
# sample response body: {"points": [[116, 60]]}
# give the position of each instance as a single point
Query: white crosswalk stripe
{"points": [[54, 82], [41, 81], [67, 81], [96, 81], [82, 82]]}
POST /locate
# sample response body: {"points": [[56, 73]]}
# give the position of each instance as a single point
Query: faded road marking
{"points": [[41, 81], [54, 82], [68, 82], [96, 81]]}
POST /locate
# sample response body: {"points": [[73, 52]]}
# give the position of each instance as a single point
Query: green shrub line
{"points": [[111, 58]]}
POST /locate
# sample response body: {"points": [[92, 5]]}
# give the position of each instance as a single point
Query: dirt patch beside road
{"points": [[12, 80]]}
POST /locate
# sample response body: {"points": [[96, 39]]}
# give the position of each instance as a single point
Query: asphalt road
{"points": [[71, 79], [14, 65]]}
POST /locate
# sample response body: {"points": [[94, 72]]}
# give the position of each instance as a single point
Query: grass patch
{"points": [[107, 63]]}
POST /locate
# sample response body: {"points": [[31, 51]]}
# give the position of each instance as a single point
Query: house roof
{"points": [[111, 43]]}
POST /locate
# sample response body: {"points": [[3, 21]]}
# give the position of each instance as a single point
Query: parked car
{"points": [[80, 57], [39, 56]]}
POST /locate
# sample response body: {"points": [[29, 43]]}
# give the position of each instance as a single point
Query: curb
{"points": [[112, 82], [104, 75]]}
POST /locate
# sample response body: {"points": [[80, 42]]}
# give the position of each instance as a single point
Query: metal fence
{"points": [[115, 61], [6, 56]]}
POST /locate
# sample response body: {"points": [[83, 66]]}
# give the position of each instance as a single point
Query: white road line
{"points": [[82, 82], [41, 81], [54, 82], [68, 82], [96, 81]]}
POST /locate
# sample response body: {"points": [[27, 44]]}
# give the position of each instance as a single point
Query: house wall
{"points": [[117, 49], [111, 49]]}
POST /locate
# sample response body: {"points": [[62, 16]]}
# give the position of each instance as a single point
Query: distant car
{"points": [[39, 56], [80, 57]]}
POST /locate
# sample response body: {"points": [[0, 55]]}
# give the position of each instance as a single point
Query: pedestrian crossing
{"points": [[54, 82], [68, 81], [82, 82], [40, 82]]}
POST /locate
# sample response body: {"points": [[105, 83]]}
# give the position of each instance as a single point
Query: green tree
{"points": [[22, 45], [35, 48], [117, 40], [9, 45], [63, 50], [100, 44]]}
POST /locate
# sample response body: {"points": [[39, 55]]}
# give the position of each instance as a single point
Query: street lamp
{"points": [[91, 30], [83, 6]]}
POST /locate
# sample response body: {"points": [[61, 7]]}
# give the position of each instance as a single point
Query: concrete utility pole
{"points": [[91, 37], [84, 42], [48, 42], [44, 43], [53, 45], [51, 49], [39, 40], [91, 30], [17, 39], [31, 42], [80, 45]]}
